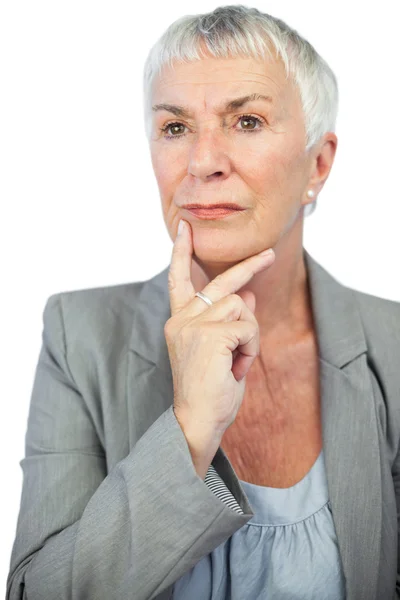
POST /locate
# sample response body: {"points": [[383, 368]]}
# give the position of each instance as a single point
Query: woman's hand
{"points": [[209, 383]]}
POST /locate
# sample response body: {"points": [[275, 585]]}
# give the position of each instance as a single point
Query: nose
{"points": [[209, 158]]}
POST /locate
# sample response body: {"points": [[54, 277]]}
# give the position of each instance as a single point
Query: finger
{"points": [[244, 337], [248, 298], [241, 365], [180, 286], [233, 279], [232, 309]]}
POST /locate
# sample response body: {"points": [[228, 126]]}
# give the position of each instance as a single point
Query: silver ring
{"points": [[204, 297]]}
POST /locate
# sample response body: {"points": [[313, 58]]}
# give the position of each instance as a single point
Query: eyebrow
{"points": [[231, 106]]}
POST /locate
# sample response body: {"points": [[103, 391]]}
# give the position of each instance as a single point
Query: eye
{"points": [[173, 126], [178, 127], [249, 119]]}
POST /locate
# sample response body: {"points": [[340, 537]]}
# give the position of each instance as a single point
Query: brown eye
{"points": [[249, 120], [174, 128]]}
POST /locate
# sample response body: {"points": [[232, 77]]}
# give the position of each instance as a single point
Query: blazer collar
{"points": [[348, 412]]}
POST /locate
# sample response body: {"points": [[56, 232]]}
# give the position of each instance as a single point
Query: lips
{"points": [[214, 213], [231, 205]]}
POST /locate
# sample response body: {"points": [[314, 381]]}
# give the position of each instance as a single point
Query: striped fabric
{"points": [[219, 488]]}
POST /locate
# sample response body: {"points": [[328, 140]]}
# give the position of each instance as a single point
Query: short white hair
{"points": [[237, 30]]}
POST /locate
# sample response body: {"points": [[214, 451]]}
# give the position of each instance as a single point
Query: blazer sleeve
{"points": [[396, 484], [86, 534]]}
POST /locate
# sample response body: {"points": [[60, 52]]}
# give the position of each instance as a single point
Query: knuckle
{"points": [[235, 304], [238, 301], [171, 280], [169, 328]]}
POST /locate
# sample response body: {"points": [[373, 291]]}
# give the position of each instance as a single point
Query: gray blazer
{"points": [[111, 505]]}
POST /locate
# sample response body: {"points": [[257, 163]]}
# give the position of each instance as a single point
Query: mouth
{"points": [[213, 211]]}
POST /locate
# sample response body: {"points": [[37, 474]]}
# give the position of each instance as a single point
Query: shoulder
{"points": [[86, 313], [380, 316], [92, 305], [87, 332], [92, 327], [381, 326]]}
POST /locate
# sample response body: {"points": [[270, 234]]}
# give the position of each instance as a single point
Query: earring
{"points": [[310, 193]]}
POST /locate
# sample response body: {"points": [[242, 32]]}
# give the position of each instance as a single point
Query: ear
{"points": [[322, 157]]}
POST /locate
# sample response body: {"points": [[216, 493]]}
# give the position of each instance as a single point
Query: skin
{"points": [[262, 167]]}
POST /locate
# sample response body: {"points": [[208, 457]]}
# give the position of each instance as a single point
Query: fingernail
{"points": [[268, 252], [181, 226]]}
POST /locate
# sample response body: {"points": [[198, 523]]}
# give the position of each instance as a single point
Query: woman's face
{"points": [[211, 155]]}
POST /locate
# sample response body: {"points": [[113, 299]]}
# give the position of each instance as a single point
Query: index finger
{"points": [[180, 285], [234, 278]]}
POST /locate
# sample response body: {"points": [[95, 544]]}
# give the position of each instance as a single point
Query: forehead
{"points": [[211, 80]]}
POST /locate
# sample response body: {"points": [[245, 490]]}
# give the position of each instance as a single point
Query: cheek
{"points": [[168, 177], [262, 162], [272, 170], [164, 172], [263, 171]]}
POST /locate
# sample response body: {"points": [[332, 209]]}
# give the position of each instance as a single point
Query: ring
{"points": [[204, 297]]}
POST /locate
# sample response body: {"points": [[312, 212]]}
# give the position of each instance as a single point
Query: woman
{"points": [[230, 427]]}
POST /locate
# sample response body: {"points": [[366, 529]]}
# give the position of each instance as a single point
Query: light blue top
{"points": [[287, 551]]}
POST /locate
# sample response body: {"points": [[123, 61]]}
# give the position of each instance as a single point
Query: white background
{"points": [[79, 202]]}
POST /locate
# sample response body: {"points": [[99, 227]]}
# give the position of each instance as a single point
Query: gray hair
{"points": [[237, 30]]}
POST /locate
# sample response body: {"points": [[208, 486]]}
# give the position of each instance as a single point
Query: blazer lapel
{"points": [[350, 435]]}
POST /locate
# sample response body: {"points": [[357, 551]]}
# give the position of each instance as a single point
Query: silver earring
{"points": [[310, 194]]}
